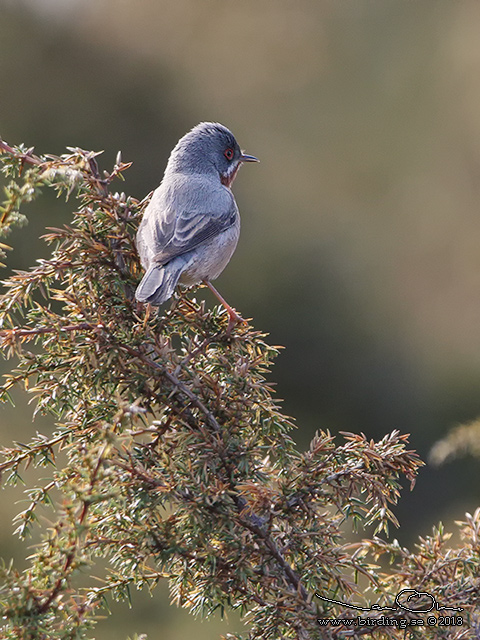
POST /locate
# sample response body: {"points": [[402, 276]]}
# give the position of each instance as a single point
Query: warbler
{"points": [[191, 225]]}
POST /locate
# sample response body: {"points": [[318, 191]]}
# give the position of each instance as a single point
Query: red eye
{"points": [[228, 153]]}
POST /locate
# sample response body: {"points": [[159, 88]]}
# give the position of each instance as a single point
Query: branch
{"points": [[291, 575], [176, 383], [26, 156]]}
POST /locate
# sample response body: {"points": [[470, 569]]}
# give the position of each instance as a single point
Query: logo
{"points": [[409, 601]]}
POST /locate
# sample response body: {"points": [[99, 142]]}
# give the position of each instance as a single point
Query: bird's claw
{"points": [[233, 319]]}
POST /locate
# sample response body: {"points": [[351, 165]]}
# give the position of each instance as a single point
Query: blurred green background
{"points": [[360, 246]]}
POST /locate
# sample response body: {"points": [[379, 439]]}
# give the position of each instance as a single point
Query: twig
{"points": [[24, 157], [48, 444], [16, 331], [42, 608]]}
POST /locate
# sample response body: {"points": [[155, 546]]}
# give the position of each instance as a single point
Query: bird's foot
{"points": [[233, 319]]}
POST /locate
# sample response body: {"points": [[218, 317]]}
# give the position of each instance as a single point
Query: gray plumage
{"points": [[191, 226]]}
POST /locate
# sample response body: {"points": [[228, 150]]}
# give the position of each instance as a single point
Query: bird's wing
{"points": [[182, 229]]}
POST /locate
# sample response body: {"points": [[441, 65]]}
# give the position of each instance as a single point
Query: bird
{"points": [[190, 228]]}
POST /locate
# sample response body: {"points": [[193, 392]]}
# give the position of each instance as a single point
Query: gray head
{"points": [[209, 148]]}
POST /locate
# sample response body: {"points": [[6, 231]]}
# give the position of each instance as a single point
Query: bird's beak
{"points": [[246, 158]]}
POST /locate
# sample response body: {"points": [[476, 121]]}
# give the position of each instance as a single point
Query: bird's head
{"points": [[209, 148]]}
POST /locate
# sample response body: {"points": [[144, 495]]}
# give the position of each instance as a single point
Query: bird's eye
{"points": [[228, 153]]}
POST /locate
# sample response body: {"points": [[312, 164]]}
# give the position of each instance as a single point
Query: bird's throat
{"points": [[227, 178]]}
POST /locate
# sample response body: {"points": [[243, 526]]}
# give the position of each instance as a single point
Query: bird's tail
{"points": [[159, 282]]}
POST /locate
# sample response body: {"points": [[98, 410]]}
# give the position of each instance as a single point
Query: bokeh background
{"points": [[360, 246]]}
